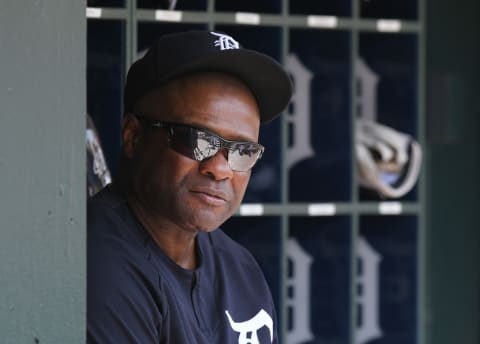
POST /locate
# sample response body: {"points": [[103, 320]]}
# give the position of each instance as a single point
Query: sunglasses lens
{"points": [[204, 146], [243, 157], [200, 145], [182, 141], [192, 143]]}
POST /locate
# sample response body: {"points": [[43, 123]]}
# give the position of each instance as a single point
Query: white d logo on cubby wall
{"points": [[299, 297], [298, 115]]}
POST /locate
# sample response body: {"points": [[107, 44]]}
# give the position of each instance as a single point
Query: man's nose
{"points": [[217, 166]]}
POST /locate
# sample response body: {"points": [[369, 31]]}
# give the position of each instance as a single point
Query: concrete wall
{"points": [[42, 171]]}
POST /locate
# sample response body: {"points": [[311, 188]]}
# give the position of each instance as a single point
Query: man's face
{"points": [[174, 189]]}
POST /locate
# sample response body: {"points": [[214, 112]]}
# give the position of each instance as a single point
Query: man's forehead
{"points": [[176, 89]]}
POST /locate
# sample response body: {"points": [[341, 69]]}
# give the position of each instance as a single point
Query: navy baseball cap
{"points": [[178, 54]]}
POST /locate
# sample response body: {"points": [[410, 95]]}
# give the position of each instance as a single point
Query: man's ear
{"points": [[131, 132]]}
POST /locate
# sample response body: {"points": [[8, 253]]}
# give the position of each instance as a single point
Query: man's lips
{"points": [[217, 196]]}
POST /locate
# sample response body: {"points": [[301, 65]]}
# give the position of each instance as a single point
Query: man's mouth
{"points": [[215, 197]]}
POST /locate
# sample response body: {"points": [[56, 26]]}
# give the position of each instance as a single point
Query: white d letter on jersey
{"points": [[248, 329]]}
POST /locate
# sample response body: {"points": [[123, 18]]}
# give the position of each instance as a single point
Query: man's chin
{"points": [[205, 221], [207, 230]]}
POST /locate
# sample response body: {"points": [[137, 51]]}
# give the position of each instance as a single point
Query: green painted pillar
{"points": [[453, 158], [42, 171]]}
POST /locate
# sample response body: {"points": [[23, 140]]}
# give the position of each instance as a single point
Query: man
{"points": [[159, 270]]}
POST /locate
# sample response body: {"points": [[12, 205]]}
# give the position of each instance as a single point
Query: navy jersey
{"points": [[137, 294]]}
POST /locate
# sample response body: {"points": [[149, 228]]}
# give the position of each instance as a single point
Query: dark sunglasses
{"points": [[199, 144]]}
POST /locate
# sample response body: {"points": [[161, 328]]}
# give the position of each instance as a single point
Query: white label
{"points": [[321, 209], [390, 208], [389, 25], [322, 21], [251, 209], [247, 18], [172, 16], [93, 12]]}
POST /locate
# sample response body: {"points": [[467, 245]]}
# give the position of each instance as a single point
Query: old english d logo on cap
{"points": [[225, 42]]}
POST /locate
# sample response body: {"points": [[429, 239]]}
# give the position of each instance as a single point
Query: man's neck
{"points": [[177, 243]]}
